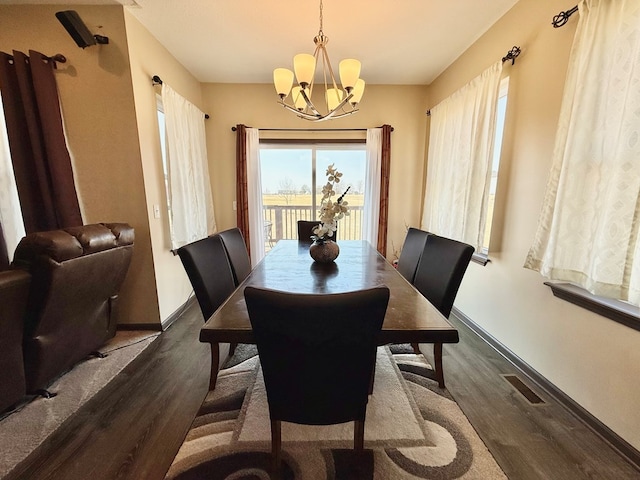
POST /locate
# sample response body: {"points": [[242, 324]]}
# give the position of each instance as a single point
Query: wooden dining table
{"points": [[410, 318]]}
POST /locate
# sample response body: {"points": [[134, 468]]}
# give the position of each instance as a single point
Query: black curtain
{"points": [[39, 154]]}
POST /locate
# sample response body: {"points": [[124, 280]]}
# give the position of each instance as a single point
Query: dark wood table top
{"points": [[410, 317]]}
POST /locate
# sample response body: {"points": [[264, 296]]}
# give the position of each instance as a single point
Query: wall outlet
{"points": [[156, 211], [235, 205]]}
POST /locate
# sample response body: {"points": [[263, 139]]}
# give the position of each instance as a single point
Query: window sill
{"points": [[615, 310], [480, 258]]}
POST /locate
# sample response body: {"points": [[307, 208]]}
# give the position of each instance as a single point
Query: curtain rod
{"points": [[563, 17], [58, 57], [233, 129], [511, 55], [156, 80]]}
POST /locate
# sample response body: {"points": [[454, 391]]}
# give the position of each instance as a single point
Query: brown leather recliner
{"points": [[76, 277], [14, 289]]}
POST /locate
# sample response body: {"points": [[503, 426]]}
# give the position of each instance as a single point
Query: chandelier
{"points": [[340, 102]]}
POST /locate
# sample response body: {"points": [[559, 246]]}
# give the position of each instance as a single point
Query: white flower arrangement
{"points": [[330, 212]]}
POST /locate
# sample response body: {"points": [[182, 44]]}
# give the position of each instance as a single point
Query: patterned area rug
{"points": [[413, 430]]}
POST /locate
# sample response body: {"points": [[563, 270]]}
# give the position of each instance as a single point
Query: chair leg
{"points": [[276, 446], [373, 375], [358, 435], [437, 356], [215, 364]]}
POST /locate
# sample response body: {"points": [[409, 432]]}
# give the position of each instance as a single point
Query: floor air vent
{"points": [[519, 385]]}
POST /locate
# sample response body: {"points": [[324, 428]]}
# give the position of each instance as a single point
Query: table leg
{"points": [[215, 363], [437, 357]]}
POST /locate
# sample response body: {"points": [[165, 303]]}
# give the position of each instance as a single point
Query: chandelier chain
{"points": [[320, 32]]}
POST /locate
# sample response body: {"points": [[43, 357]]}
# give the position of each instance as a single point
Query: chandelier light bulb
{"points": [[304, 64], [283, 79], [298, 99], [334, 97], [358, 91], [349, 73]]}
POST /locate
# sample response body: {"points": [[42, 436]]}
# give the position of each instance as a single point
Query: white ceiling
{"points": [[399, 42]]}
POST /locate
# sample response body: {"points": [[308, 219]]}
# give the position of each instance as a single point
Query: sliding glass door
{"points": [[292, 179]]}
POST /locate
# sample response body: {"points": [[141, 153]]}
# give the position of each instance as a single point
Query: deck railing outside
{"points": [[281, 222]]}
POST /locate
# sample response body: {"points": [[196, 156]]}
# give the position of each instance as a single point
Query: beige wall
{"points": [[402, 107], [148, 58], [114, 140], [591, 358], [97, 100]]}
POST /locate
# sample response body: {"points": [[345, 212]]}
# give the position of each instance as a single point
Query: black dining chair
{"points": [[209, 272], [438, 277], [411, 252], [317, 354], [236, 249], [305, 230]]}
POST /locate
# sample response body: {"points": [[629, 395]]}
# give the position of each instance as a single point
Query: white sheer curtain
{"points": [[459, 161], [10, 212], [254, 197], [588, 233], [371, 213], [190, 200]]}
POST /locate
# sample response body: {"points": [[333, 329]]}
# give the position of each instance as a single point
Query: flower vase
{"points": [[324, 251]]}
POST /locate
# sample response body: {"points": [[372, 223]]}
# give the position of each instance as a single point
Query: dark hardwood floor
{"points": [[134, 426], [529, 441]]}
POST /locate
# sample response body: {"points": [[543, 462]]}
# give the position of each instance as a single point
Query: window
{"points": [[495, 162], [462, 169], [163, 151], [293, 175], [588, 230], [184, 157]]}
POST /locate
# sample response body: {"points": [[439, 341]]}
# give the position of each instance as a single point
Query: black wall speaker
{"points": [[74, 25]]}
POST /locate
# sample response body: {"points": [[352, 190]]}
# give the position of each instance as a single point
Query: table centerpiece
{"points": [[324, 249]]}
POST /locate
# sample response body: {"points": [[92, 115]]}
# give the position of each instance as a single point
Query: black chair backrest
{"points": [[411, 252], [317, 351], [233, 242], [305, 230], [209, 271], [440, 271]]}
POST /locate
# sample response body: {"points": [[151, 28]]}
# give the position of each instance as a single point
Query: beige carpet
{"points": [[24, 430], [413, 430]]}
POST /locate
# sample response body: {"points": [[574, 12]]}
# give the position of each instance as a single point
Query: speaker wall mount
{"points": [[74, 25]]}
